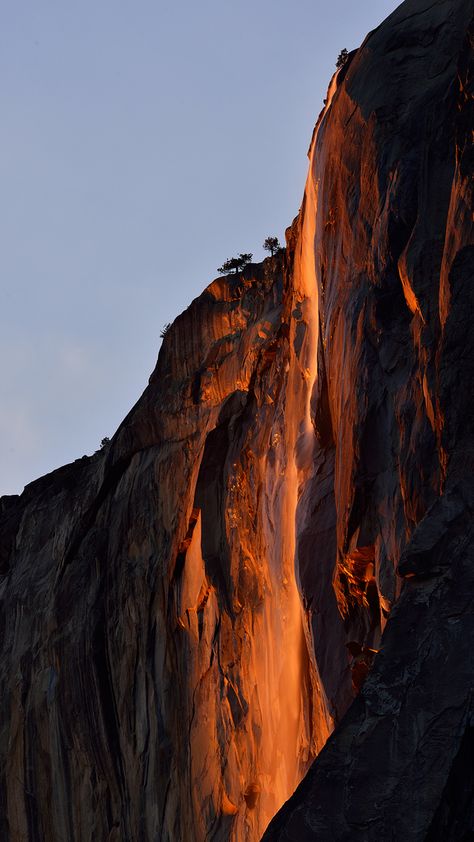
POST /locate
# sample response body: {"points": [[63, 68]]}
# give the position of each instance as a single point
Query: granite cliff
{"points": [[272, 560]]}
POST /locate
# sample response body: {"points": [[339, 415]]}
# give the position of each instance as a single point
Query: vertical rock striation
{"points": [[393, 485], [187, 615], [156, 669]]}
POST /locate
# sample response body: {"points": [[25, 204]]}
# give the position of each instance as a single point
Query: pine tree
{"points": [[342, 58], [235, 264], [272, 245]]}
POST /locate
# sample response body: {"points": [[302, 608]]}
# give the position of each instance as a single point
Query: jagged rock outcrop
{"points": [[188, 614]]}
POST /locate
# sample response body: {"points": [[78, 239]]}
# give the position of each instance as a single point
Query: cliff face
{"points": [[187, 615], [394, 264], [156, 665]]}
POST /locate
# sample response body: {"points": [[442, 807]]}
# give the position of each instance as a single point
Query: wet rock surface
{"points": [[277, 543], [395, 267]]}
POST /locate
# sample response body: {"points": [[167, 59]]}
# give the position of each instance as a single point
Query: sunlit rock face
{"points": [[187, 615], [393, 406], [157, 673]]}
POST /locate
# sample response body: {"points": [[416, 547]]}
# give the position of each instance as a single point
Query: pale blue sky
{"points": [[142, 144]]}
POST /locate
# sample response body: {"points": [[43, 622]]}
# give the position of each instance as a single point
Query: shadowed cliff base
{"points": [[272, 560]]}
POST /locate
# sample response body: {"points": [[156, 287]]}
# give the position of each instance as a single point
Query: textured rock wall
{"points": [[393, 402], [156, 665], [188, 614]]}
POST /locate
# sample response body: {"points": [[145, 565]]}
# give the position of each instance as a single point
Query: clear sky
{"points": [[143, 143]]}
